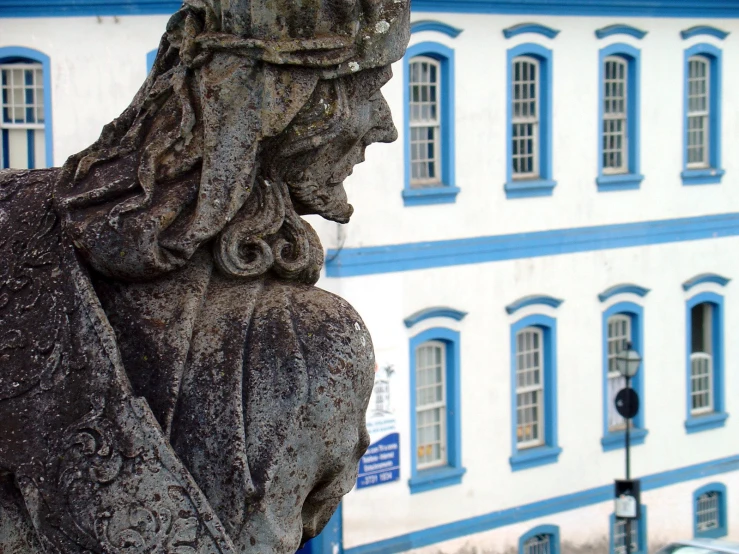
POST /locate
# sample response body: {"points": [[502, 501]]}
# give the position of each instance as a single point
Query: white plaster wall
{"points": [[484, 290], [97, 65], [482, 208]]}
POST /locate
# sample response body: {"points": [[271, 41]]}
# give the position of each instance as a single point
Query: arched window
{"points": [[623, 324], [534, 392], [702, 156], [436, 444], [709, 511], [619, 111], [429, 125], [529, 122], [705, 370], [543, 539], [25, 130]]}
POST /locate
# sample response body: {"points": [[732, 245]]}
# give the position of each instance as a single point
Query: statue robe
{"points": [[188, 414]]}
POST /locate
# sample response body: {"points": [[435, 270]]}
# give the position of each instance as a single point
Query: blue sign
{"points": [[381, 463]]}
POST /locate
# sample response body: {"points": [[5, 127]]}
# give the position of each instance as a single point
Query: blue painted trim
{"points": [[150, 57], [429, 479], [540, 509], [10, 54], [534, 457], [544, 185], [77, 8], [627, 181], [713, 174], [617, 441], [550, 451], [31, 147], [435, 26], [529, 188], [641, 532], [723, 527], [430, 196], [698, 30], [533, 300], [372, 260], [536, 28], [620, 29], [625, 288], [614, 440], [705, 278], [438, 311], [611, 8], [632, 179], [551, 530], [706, 422], [447, 192], [717, 418], [702, 176], [436, 478]]}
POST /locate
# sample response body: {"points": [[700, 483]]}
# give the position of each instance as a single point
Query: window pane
{"points": [[430, 404], [525, 118], [707, 511], [22, 121], [424, 111], [615, 113], [540, 544], [529, 388]]}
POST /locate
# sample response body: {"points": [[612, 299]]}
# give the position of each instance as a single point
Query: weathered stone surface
{"points": [[171, 380]]}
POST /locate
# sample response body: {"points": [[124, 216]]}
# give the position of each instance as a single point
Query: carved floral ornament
{"points": [[163, 355]]}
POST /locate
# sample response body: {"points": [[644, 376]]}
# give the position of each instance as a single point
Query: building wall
{"points": [[483, 290]]}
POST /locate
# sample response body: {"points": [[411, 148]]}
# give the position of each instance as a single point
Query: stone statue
{"points": [[171, 381]]}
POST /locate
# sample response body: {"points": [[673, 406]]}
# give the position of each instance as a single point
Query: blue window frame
{"points": [[617, 544], [709, 511], [702, 117], [26, 129], [543, 539], [704, 324], [534, 392], [529, 122], [618, 118], [428, 99], [622, 323], [436, 441]]}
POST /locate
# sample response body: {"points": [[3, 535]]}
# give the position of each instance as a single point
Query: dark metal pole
{"points": [[627, 530]]}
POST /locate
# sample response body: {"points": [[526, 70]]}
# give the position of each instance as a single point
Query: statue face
{"points": [[344, 117]]}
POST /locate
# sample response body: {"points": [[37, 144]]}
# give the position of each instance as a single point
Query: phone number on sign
{"points": [[376, 478]]}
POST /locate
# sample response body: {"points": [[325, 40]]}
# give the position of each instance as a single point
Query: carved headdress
{"points": [[182, 163]]}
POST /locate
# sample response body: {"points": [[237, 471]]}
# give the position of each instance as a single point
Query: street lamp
{"points": [[627, 404]]}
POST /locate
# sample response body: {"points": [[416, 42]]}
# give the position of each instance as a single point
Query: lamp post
{"points": [[627, 404]]}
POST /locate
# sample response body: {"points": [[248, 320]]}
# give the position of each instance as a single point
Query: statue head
{"points": [[254, 113]]}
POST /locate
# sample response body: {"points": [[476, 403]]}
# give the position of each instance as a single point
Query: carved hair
{"points": [[154, 174]]}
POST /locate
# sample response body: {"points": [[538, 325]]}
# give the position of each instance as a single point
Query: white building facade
{"points": [[564, 185]]}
